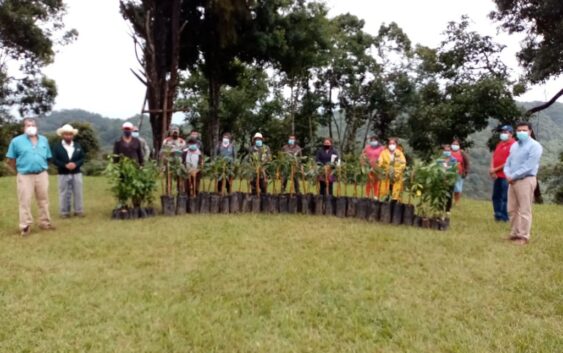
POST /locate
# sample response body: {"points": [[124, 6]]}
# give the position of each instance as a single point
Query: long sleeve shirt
{"points": [[61, 157], [130, 149], [523, 160], [325, 156]]}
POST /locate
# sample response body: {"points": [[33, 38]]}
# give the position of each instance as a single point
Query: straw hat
{"points": [[257, 136], [67, 128]]}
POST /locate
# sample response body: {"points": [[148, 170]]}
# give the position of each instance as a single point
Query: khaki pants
{"points": [[28, 185], [520, 199]]}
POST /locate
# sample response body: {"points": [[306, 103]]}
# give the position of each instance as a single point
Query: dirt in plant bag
{"points": [[168, 205], [340, 206]]}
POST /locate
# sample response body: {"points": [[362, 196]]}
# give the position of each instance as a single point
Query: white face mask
{"points": [[392, 147], [226, 142], [31, 130], [455, 148]]}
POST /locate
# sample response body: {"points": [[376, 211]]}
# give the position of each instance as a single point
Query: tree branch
{"points": [[545, 105]]}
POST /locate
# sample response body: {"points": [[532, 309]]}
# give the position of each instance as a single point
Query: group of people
{"points": [[513, 167]]}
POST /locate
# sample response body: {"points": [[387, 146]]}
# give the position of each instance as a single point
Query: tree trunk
{"points": [[214, 126]]}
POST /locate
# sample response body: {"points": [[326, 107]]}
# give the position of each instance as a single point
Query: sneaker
{"points": [[79, 215], [65, 216], [48, 227], [25, 231]]}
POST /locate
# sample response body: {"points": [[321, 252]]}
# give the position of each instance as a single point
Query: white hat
{"points": [[127, 126], [258, 136], [67, 128]]}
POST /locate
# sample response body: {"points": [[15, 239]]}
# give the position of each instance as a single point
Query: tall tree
{"points": [[542, 49], [29, 32], [158, 26], [461, 85]]}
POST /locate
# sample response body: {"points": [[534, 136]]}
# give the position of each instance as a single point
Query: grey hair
{"points": [[29, 119]]}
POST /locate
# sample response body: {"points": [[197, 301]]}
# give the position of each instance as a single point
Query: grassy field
{"points": [[257, 283]]}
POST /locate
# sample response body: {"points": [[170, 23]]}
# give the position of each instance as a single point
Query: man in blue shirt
{"points": [[28, 155], [521, 169]]}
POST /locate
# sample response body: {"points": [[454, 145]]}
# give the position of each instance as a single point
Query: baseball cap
{"points": [[506, 128], [258, 136], [127, 126]]}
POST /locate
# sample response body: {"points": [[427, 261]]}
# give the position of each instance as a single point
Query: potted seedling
{"points": [[179, 173], [311, 172], [235, 198], [354, 172], [294, 170], [363, 206], [386, 206], [341, 199], [167, 198], [413, 191]]}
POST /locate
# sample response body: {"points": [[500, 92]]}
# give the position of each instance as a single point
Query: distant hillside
{"points": [[108, 129]]}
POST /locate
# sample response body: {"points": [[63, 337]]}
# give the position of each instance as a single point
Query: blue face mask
{"points": [[455, 148], [373, 143], [192, 147], [447, 153], [258, 143], [291, 142], [522, 135], [504, 136]]}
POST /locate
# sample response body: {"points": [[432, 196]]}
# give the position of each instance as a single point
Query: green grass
{"points": [[257, 283]]}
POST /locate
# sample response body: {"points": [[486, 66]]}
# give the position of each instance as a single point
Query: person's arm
{"points": [[11, 156], [57, 160], [530, 164], [466, 163], [80, 156], [116, 152], [140, 155], [318, 156]]}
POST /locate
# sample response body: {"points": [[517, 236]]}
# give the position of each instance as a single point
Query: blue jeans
{"points": [[500, 199]]}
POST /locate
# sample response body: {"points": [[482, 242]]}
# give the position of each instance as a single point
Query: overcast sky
{"points": [[93, 73]]}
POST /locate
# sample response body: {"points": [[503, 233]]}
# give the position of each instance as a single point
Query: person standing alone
{"points": [[68, 157], [496, 171], [28, 154], [521, 169]]}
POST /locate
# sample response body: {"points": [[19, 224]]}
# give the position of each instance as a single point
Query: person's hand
{"points": [[70, 166], [510, 181], [493, 175]]}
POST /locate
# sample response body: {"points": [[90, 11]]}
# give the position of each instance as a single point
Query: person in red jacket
{"points": [[500, 186], [370, 155], [462, 166]]}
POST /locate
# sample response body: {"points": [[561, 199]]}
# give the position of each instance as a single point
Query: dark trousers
{"points": [[323, 185], [261, 184], [295, 184], [227, 185], [500, 199]]}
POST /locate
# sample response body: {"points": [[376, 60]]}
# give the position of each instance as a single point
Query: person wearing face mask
{"points": [[292, 149], [28, 155], [193, 159], [463, 168], [144, 145], [225, 149], [128, 146], [496, 171], [68, 157], [370, 155], [262, 152], [174, 143], [326, 155], [521, 169], [448, 162], [194, 134], [393, 162]]}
